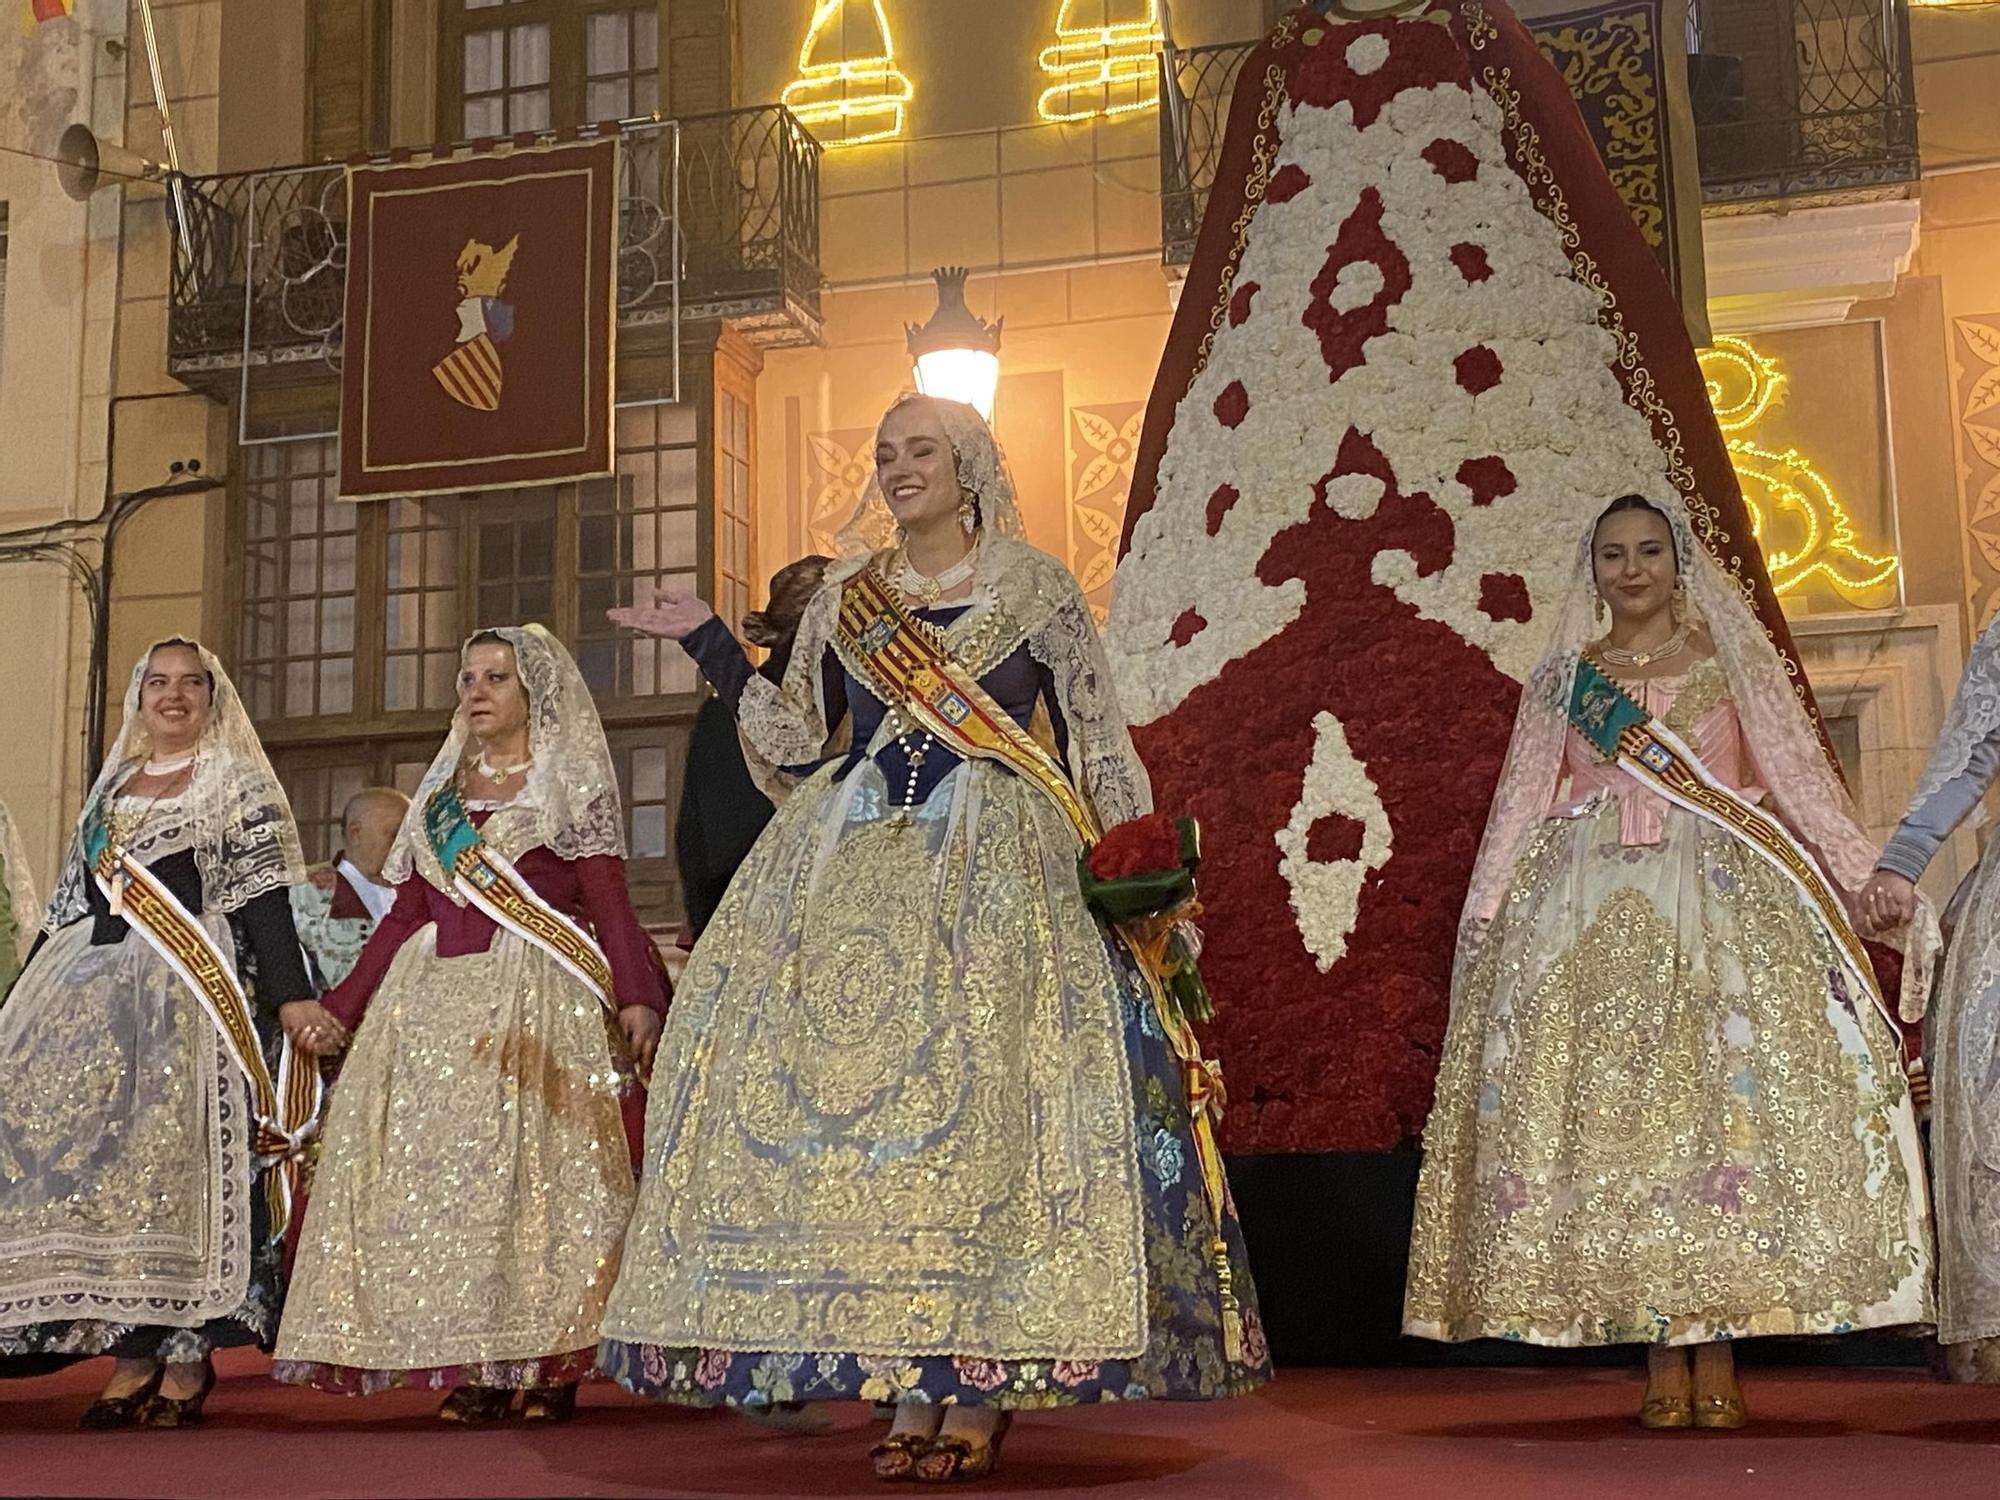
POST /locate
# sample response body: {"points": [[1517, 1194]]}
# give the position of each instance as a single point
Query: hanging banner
{"points": [[480, 322]]}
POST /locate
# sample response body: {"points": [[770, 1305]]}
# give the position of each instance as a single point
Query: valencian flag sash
{"points": [[1659, 760], [488, 880], [287, 1106], [905, 663], [907, 666]]}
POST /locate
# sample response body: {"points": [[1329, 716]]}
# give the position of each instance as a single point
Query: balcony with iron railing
{"points": [[718, 220], [1792, 99]]}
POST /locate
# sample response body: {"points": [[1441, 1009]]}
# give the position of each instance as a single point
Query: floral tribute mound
{"points": [[1421, 342]]}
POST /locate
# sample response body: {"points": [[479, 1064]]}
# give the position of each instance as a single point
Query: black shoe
{"points": [[107, 1413], [476, 1406], [178, 1411], [548, 1403]]}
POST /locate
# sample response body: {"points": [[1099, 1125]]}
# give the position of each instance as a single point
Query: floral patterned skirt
{"points": [[1185, 1357], [1661, 1116]]}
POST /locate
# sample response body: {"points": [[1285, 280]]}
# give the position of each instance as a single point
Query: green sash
{"points": [[285, 1107], [490, 882]]}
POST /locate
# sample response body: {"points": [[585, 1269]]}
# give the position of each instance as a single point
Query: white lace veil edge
{"points": [[25, 905], [1805, 791], [982, 474], [571, 803], [1974, 717], [238, 819]]}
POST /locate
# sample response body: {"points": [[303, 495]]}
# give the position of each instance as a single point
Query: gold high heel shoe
{"points": [[1721, 1411], [1667, 1413], [952, 1459]]}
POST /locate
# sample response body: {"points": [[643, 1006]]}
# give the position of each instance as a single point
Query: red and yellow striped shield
{"points": [[470, 374]]}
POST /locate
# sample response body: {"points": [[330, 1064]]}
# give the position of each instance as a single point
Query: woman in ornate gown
{"points": [[1963, 1041], [1671, 1109], [149, 1111], [919, 1134], [474, 1183]]}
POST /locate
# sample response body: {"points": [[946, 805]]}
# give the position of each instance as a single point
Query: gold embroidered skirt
{"points": [[125, 1171], [474, 1182], [892, 1112], [1661, 1117]]}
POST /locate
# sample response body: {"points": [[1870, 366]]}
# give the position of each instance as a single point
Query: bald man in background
{"points": [[344, 899]]}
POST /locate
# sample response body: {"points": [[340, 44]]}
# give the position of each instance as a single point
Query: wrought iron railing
{"points": [[1800, 97], [260, 263], [750, 211], [1194, 113], [1791, 98]]}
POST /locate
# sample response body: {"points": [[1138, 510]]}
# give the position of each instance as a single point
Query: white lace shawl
{"points": [[570, 804], [21, 898], [234, 813], [1806, 793], [1022, 597]]}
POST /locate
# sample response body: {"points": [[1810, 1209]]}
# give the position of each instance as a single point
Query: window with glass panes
{"points": [[513, 65], [295, 650], [732, 502], [350, 617]]}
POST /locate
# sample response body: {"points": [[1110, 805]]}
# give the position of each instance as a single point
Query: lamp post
{"points": [[957, 356]]}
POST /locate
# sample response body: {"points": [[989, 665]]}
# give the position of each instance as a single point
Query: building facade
{"points": [[817, 158]]}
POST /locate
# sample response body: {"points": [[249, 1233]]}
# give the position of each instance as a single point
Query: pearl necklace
{"points": [[1671, 647], [169, 767], [916, 749], [498, 774], [931, 588]]}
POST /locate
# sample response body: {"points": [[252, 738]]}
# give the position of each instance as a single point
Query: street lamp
{"points": [[957, 356]]}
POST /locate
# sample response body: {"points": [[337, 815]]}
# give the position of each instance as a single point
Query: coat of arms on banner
{"points": [[480, 314], [472, 374]]}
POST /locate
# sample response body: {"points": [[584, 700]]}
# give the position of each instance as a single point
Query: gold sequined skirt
{"points": [[474, 1184], [892, 1111], [1660, 1116]]}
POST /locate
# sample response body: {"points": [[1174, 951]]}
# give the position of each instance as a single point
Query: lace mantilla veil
{"points": [[234, 814], [1806, 793], [21, 898], [570, 804], [982, 474]]}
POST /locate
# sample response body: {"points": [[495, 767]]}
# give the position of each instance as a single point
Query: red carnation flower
{"points": [[1144, 846]]}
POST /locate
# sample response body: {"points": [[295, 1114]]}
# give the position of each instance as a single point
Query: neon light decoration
{"points": [[1742, 386], [848, 76], [1103, 70]]}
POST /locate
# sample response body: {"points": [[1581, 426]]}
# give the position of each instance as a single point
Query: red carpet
{"points": [[1369, 1434]]}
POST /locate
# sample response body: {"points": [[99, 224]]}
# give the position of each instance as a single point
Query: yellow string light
{"points": [[864, 92], [1742, 386], [1095, 66]]}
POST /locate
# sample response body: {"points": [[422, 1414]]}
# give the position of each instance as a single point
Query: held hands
{"points": [[310, 1027], [641, 1027], [671, 616], [1888, 901]]}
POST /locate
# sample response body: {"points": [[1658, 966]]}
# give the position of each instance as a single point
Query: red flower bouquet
{"points": [[1140, 878]]}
